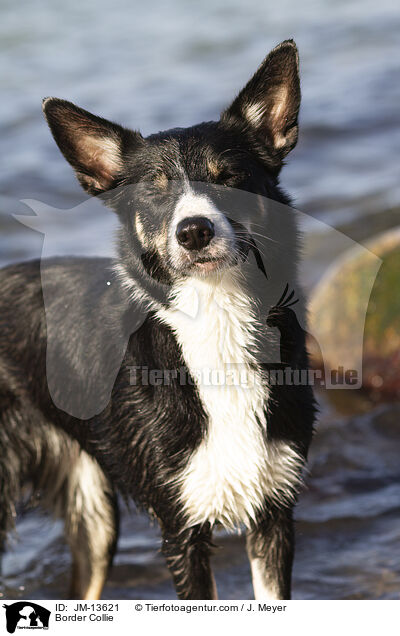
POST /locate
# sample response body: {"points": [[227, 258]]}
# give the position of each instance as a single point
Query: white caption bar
{"points": [[140, 617]]}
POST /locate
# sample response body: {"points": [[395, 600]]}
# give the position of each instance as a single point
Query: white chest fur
{"points": [[233, 470]]}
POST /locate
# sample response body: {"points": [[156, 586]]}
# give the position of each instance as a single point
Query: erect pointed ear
{"points": [[94, 147], [269, 104]]}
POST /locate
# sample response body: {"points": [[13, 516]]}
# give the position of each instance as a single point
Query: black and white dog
{"points": [[191, 453]]}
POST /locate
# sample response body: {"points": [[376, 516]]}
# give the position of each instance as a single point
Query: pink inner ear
{"points": [[101, 158]]}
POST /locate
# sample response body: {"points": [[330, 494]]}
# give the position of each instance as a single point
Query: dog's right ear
{"points": [[268, 106], [93, 146]]}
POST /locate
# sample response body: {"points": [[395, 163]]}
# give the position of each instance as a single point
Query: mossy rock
{"points": [[336, 314]]}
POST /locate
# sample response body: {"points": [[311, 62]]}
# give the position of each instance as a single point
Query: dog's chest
{"points": [[234, 469]]}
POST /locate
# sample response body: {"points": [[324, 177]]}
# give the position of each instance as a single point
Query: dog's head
{"points": [[169, 189]]}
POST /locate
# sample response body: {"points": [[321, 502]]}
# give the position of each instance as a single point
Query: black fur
{"points": [[145, 435]]}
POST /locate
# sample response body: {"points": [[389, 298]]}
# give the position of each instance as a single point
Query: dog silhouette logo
{"points": [[26, 615]]}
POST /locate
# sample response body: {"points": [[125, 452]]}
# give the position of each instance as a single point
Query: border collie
{"points": [[192, 453]]}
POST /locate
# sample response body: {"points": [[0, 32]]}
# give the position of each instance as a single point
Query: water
{"points": [[173, 64]]}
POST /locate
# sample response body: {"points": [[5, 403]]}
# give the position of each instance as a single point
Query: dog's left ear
{"points": [[269, 104]]}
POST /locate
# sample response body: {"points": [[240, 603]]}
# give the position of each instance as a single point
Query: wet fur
{"points": [[145, 442]]}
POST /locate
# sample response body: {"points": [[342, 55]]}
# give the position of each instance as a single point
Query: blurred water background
{"points": [[158, 65]]}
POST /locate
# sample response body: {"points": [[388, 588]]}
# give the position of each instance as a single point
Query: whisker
{"points": [[266, 237], [250, 244]]}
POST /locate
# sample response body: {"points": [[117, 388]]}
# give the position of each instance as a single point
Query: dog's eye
{"points": [[225, 176], [231, 178]]}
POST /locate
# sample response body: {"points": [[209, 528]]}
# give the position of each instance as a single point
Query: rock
{"points": [[339, 308]]}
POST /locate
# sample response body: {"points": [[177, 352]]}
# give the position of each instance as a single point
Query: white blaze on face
{"points": [[189, 205]]}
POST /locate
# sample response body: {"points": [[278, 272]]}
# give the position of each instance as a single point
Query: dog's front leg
{"points": [[270, 547], [187, 553]]}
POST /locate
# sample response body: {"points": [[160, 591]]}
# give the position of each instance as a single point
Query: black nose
{"points": [[195, 232]]}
